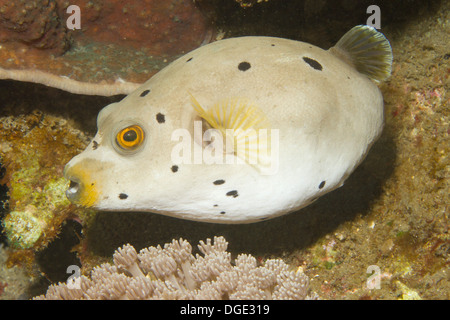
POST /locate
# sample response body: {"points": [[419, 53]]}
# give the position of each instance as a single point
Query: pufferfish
{"points": [[239, 130]]}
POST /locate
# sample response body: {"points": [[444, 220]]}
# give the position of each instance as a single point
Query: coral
{"points": [[173, 272], [34, 150], [33, 22], [70, 85], [120, 43]]}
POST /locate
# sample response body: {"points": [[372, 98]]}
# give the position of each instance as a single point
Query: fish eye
{"points": [[130, 138]]}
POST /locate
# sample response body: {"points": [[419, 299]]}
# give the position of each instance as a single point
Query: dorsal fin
{"points": [[367, 50]]}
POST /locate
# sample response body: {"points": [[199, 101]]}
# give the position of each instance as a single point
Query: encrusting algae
{"points": [[34, 150]]}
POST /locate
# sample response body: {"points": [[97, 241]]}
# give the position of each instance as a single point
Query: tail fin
{"points": [[367, 50]]}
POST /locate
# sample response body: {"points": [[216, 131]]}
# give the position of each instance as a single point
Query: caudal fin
{"points": [[367, 50]]}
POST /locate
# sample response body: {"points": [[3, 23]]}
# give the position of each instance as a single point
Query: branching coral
{"points": [[173, 272]]}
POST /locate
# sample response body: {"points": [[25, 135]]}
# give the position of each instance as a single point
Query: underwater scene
{"points": [[224, 149]]}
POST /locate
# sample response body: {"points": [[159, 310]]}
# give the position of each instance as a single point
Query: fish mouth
{"points": [[73, 192], [75, 188], [82, 189]]}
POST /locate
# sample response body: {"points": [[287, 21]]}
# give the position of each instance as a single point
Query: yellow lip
{"points": [[83, 190]]}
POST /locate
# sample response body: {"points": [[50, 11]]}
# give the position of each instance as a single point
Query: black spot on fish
{"points": [[272, 45], [216, 205], [174, 168], [94, 145], [313, 63], [222, 212], [188, 59], [160, 118], [123, 196], [233, 193], [219, 182], [322, 184], [144, 93], [244, 66]]}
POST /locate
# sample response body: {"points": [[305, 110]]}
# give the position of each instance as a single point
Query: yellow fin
{"points": [[244, 126]]}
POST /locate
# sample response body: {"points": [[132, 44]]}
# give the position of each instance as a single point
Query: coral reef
{"points": [[14, 281], [119, 43], [173, 273], [34, 150], [406, 229], [391, 213]]}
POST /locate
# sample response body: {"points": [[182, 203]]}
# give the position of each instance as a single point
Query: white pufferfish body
{"points": [[323, 115]]}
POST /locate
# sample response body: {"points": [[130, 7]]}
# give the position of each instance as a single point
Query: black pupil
{"points": [[130, 136]]}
